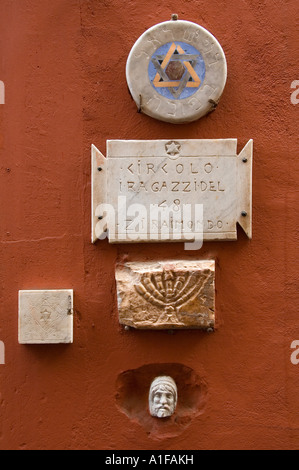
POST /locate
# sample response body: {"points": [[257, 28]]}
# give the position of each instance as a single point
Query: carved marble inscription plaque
{"points": [[45, 316], [167, 294], [171, 190]]}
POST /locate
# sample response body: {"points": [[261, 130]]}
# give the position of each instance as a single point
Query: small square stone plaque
{"points": [[45, 316], [167, 294]]}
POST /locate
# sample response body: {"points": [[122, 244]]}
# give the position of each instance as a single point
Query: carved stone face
{"points": [[162, 397]]}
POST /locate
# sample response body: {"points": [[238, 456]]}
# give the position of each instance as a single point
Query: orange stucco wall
{"points": [[63, 65]]}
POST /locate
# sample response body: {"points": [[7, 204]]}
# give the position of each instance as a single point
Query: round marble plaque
{"points": [[176, 71]]}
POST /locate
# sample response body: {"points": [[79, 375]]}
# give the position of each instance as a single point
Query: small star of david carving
{"points": [[175, 70], [45, 315], [173, 148]]}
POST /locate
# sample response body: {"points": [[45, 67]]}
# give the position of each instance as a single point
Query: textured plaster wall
{"points": [[63, 65]]}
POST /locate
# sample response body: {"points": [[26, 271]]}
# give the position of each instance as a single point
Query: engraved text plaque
{"points": [[171, 190]]}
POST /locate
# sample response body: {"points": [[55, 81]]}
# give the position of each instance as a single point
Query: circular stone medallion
{"points": [[176, 72]]}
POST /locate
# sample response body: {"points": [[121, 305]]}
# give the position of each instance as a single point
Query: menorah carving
{"points": [[171, 290]]}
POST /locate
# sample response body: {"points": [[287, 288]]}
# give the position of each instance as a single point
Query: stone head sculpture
{"points": [[163, 397]]}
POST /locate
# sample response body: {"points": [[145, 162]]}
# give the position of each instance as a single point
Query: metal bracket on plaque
{"points": [[171, 190]]}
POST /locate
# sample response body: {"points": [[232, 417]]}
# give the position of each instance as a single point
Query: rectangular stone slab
{"points": [[171, 190], [167, 294], [45, 316]]}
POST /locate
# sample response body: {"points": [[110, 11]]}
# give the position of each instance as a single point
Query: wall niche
{"points": [[132, 393]]}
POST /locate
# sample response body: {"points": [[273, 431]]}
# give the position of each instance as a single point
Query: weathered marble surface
{"points": [[171, 177], [163, 397], [207, 90], [45, 316], [166, 294]]}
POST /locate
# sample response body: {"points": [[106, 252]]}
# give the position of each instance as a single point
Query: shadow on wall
{"points": [[132, 390]]}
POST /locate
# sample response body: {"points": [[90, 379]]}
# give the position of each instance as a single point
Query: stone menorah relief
{"points": [[167, 295], [163, 397]]}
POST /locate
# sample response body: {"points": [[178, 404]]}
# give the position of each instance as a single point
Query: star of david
{"points": [[173, 148], [185, 73], [45, 315]]}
